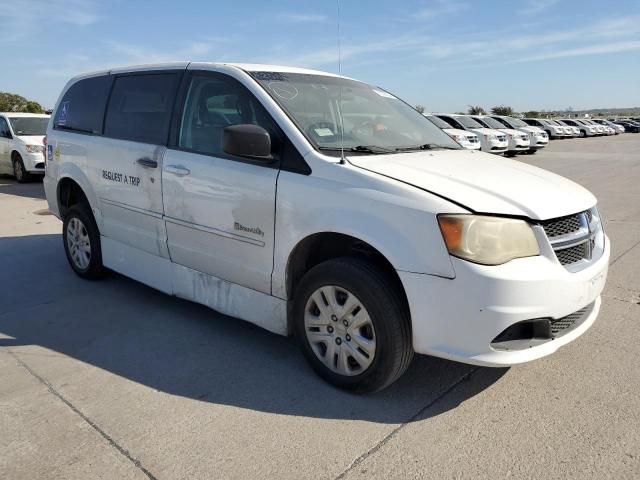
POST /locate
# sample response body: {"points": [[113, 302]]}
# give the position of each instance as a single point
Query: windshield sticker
{"points": [[323, 132], [64, 112], [284, 90], [384, 94]]}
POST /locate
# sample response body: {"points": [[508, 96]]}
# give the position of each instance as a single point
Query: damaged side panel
{"points": [[227, 298]]}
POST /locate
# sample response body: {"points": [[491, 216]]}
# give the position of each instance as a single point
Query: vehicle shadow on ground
{"points": [[31, 189], [184, 349]]}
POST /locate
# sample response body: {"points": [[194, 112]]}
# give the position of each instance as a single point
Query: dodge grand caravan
{"points": [[319, 206], [21, 147]]}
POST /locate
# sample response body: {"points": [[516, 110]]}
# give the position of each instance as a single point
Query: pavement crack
{"points": [[397, 430], [624, 253], [90, 422]]}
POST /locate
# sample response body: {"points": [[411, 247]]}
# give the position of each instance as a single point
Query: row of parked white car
{"points": [[511, 136]]}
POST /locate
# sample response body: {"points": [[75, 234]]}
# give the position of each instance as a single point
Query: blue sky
{"points": [[444, 54]]}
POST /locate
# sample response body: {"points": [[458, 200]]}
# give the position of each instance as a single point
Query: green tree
{"points": [[502, 110], [11, 102], [420, 108], [532, 114], [476, 110]]}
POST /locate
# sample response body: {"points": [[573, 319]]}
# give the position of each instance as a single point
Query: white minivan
{"points": [[491, 140], [21, 144], [319, 206]]}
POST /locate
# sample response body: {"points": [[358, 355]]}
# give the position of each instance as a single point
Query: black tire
{"points": [[95, 269], [509, 154], [21, 174], [388, 314], [583, 133]]}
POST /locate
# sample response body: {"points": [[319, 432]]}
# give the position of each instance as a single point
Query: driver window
{"points": [[216, 102]]}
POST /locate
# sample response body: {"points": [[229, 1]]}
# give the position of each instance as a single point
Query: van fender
{"points": [[75, 173]]}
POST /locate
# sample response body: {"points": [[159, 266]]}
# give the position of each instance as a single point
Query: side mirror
{"points": [[247, 140]]}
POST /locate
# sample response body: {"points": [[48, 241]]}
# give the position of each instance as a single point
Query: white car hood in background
{"points": [[483, 182], [457, 131], [487, 131], [511, 131], [31, 139], [531, 129]]}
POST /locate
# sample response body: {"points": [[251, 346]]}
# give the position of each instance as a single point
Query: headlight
{"points": [[35, 148], [491, 137], [487, 240], [511, 136], [459, 138]]}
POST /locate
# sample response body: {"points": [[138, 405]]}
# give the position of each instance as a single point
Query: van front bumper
{"points": [[33, 162], [461, 319]]}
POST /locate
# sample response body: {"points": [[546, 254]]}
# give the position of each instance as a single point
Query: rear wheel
{"points": [[21, 174], [352, 325], [82, 242]]}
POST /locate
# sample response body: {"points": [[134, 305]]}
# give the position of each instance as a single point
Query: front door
{"points": [[220, 209]]}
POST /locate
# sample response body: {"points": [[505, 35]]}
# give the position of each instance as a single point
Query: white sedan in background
{"points": [[491, 140], [468, 140], [22, 144], [538, 138], [518, 141]]}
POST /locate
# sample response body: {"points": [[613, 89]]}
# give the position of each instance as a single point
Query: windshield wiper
{"points": [[371, 149], [426, 146]]}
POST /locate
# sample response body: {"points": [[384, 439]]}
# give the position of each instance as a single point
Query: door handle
{"points": [[146, 162], [177, 170]]}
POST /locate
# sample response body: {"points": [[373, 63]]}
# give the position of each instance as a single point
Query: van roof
{"points": [[179, 65]]}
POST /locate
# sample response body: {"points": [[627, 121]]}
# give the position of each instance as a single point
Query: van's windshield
{"points": [[373, 120], [492, 123], [29, 125], [469, 122], [515, 122]]}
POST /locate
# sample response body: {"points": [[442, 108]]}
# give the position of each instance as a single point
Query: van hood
{"points": [[486, 131], [484, 183], [457, 131], [31, 139], [531, 129], [511, 131]]}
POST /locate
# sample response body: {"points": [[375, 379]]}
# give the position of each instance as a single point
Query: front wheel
{"points": [[352, 325], [82, 243], [21, 174]]}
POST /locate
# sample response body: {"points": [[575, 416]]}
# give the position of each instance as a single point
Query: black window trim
{"points": [[139, 73], [176, 124], [80, 131]]}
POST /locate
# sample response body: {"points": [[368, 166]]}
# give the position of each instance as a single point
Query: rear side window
{"points": [[140, 107], [82, 107]]}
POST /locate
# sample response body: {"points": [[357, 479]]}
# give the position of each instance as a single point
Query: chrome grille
{"points": [[562, 226], [573, 238], [567, 256]]}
